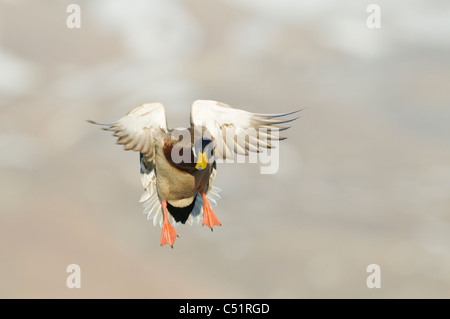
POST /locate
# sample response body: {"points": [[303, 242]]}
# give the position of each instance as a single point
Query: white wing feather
{"points": [[137, 130], [236, 131]]}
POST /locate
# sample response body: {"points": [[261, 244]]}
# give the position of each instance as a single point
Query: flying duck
{"points": [[178, 166]]}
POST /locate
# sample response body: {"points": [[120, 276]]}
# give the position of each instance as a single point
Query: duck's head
{"points": [[203, 151]]}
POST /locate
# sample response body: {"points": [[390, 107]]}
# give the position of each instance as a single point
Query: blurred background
{"points": [[364, 174]]}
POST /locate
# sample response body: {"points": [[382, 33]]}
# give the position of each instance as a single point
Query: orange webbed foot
{"points": [[209, 219], [168, 233]]}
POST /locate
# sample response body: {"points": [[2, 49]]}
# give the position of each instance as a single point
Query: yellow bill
{"points": [[202, 162]]}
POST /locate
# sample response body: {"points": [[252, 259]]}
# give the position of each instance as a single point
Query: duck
{"points": [[178, 166]]}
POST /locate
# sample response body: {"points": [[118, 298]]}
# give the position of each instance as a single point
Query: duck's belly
{"points": [[172, 183]]}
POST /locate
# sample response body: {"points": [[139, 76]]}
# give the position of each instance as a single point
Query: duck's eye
{"points": [[211, 152]]}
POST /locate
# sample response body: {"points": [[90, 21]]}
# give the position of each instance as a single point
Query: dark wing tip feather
{"points": [[272, 122], [270, 116], [106, 126]]}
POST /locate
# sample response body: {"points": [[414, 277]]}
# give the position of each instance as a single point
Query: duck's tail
{"points": [[189, 213]]}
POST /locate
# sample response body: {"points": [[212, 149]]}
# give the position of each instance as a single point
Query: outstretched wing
{"points": [[237, 131], [137, 130]]}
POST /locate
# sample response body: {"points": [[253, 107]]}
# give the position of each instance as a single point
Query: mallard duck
{"points": [[178, 167]]}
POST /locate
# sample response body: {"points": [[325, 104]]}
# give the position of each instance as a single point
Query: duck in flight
{"points": [[178, 166]]}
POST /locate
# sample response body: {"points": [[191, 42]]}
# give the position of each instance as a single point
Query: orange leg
{"points": [[209, 219], [168, 234]]}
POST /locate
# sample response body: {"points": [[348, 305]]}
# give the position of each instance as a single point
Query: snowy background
{"points": [[364, 174]]}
